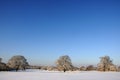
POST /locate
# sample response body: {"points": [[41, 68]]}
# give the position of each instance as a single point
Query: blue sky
{"points": [[43, 30]]}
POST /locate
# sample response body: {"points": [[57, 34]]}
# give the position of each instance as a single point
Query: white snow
{"points": [[56, 75]]}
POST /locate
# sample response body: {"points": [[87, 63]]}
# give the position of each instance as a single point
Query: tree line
{"points": [[63, 63]]}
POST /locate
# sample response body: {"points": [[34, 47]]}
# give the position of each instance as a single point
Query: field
{"points": [[56, 75]]}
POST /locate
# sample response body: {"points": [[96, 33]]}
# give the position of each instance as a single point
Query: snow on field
{"points": [[56, 75]]}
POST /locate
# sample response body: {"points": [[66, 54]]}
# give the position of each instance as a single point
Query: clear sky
{"points": [[43, 30]]}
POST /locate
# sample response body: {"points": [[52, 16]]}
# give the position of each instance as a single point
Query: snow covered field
{"points": [[56, 75]]}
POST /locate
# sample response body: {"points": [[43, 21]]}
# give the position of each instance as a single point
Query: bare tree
{"points": [[82, 68], [64, 63], [3, 66], [106, 64], [90, 67], [52, 68], [119, 68], [0, 60], [17, 62]]}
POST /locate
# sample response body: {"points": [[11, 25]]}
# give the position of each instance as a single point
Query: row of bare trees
{"points": [[63, 63]]}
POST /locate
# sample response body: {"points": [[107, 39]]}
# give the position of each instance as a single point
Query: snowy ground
{"points": [[56, 75]]}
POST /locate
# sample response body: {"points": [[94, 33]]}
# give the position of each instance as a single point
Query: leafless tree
{"points": [[119, 68], [64, 63], [0, 60], [3, 66], [75, 68], [82, 68], [106, 64], [52, 68], [90, 67], [17, 62], [44, 67]]}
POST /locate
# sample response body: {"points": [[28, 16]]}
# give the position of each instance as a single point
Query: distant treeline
{"points": [[63, 63]]}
